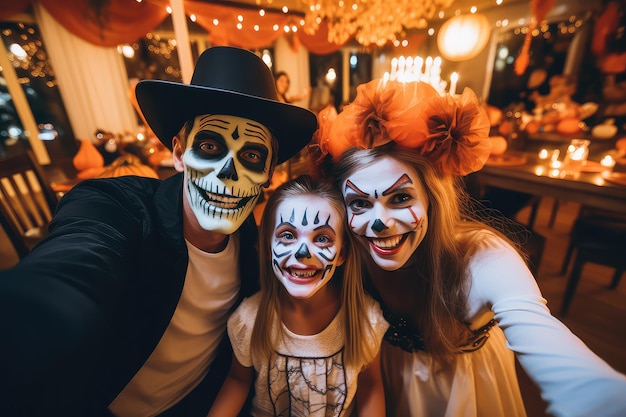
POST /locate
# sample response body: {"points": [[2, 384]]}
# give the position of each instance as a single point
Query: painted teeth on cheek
{"points": [[388, 243]]}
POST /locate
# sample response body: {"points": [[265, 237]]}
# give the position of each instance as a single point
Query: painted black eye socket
{"points": [[253, 157], [209, 145], [358, 205], [402, 199]]}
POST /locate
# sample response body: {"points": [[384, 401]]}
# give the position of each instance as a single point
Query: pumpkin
{"points": [[89, 173], [498, 145], [88, 156], [128, 165], [568, 126]]}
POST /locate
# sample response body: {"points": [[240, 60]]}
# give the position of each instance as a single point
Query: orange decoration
{"points": [[505, 128], [128, 165], [538, 11], [498, 145], [568, 126], [87, 156]]}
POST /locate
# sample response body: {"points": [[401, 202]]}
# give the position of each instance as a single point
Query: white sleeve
{"points": [[573, 380], [240, 325]]}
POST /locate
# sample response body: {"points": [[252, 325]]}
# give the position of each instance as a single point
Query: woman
{"points": [[459, 297], [282, 86]]}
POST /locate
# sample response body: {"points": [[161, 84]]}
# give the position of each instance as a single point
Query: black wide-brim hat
{"points": [[229, 81]]}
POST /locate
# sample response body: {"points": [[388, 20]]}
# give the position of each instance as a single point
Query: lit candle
{"points": [[578, 154], [543, 154], [454, 77], [556, 164], [429, 64], [607, 161]]}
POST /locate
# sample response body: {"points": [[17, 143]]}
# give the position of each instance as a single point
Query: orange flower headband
{"points": [[451, 131]]}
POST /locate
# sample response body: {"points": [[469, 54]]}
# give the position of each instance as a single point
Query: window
{"points": [[28, 60]]}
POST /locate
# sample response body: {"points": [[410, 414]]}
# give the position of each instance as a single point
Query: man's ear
{"points": [[177, 154], [269, 178]]}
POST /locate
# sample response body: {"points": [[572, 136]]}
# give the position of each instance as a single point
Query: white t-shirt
{"points": [[306, 375], [183, 356]]}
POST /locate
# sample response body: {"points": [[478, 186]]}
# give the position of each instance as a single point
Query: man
{"points": [[122, 309]]}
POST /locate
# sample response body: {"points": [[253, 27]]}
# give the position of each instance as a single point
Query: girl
{"points": [[307, 339], [459, 298]]}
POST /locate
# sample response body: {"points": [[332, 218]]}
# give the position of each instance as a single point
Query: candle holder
{"points": [[576, 156]]}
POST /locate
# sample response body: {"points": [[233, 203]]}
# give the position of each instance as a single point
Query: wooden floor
{"points": [[597, 315]]}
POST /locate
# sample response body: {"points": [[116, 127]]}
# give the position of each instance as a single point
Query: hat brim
{"points": [[167, 105]]}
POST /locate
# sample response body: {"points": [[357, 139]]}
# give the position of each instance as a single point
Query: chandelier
{"points": [[369, 21]]}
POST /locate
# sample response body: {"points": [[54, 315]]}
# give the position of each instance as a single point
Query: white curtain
{"points": [[92, 80]]}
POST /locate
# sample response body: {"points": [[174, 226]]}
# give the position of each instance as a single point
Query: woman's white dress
{"points": [[483, 383]]}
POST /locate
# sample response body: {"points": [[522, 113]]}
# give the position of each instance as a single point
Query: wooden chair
{"points": [[27, 202], [599, 238]]}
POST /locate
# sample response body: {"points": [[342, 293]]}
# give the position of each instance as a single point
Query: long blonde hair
{"points": [[443, 257], [267, 328]]}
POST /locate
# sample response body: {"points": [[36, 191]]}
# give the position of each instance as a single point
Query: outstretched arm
{"points": [[573, 380], [370, 395], [234, 392]]}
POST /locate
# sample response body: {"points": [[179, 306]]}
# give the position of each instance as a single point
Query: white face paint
{"points": [[387, 207], [227, 160], [306, 244]]}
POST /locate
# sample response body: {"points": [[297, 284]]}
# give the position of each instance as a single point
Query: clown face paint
{"points": [[306, 245], [227, 160], [387, 207]]}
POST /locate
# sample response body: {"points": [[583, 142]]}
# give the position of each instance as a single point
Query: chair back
{"points": [[27, 202]]}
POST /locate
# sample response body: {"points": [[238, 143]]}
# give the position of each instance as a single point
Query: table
{"points": [[534, 176]]}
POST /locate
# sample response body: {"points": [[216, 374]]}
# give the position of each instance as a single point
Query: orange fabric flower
{"points": [[458, 139], [381, 112], [453, 132]]}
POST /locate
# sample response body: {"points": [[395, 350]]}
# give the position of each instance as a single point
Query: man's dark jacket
{"points": [[82, 313]]}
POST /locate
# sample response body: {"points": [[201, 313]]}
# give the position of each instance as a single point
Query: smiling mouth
{"points": [[223, 201], [389, 245], [302, 276]]}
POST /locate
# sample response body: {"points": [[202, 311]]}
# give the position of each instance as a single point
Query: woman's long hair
{"points": [[442, 258], [267, 328]]}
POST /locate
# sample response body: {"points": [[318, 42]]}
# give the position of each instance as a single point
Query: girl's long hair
{"points": [[442, 258], [267, 328]]}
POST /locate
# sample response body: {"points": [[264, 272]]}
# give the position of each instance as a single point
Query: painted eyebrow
{"points": [[257, 131], [350, 185], [214, 122], [400, 182], [325, 226], [284, 223]]}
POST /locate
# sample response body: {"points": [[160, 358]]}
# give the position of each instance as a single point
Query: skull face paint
{"points": [[306, 245], [387, 208], [227, 159]]}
